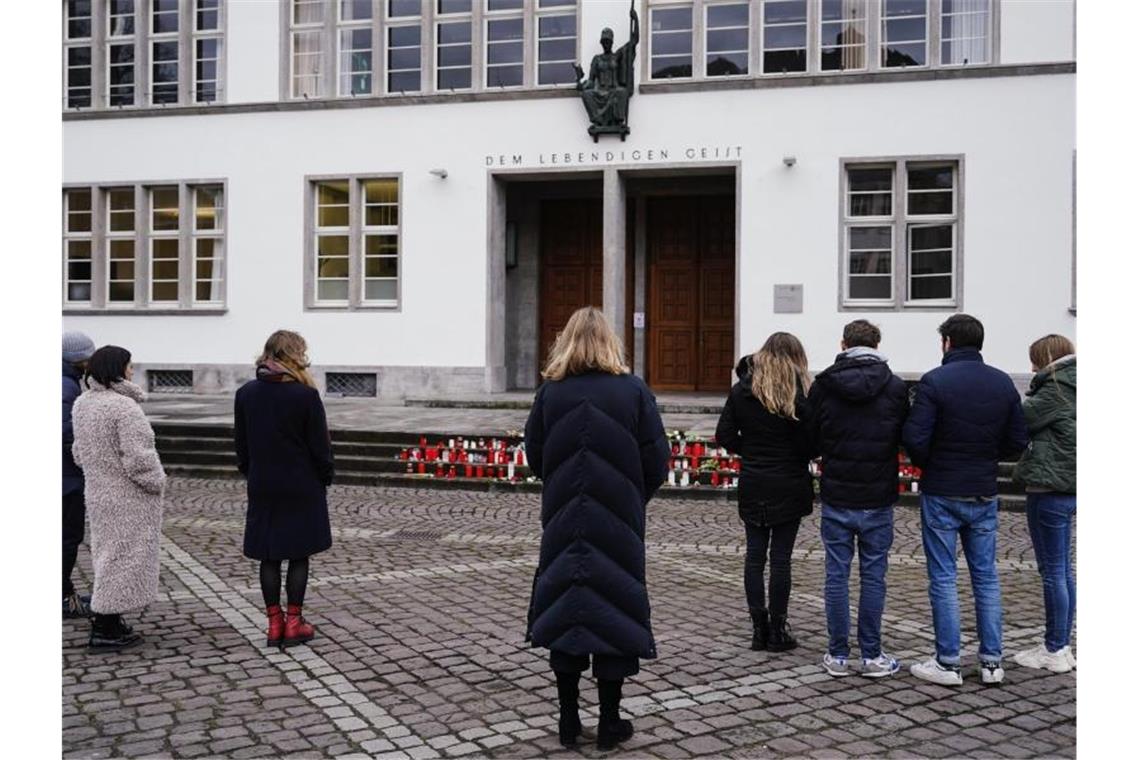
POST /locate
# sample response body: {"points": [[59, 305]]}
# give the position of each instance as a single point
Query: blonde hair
{"points": [[1045, 351], [776, 368], [289, 350], [587, 344]]}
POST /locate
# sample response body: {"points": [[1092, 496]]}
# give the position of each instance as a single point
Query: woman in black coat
{"points": [[285, 453], [762, 422], [596, 438]]}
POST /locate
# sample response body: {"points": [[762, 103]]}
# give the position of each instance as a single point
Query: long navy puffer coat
{"points": [[599, 445]]}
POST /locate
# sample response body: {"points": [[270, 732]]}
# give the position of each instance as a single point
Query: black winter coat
{"points": [[966, 418], [775, 485], [72, 475], [598, 443], [284, 451], [856, 410]]}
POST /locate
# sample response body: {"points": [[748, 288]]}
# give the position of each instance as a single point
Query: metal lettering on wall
{"points": [[626, 155]]}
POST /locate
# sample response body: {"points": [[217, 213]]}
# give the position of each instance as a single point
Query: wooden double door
{"points": [[691, 298], [570, 252]]}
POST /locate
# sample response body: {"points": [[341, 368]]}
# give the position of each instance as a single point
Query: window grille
{"points": [[170, 380], [350, 384]]}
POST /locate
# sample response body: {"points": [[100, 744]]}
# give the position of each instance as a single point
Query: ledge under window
{"points": [[213, 311]]}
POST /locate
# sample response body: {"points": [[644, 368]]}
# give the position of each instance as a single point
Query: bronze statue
{"points": [[607, 91]]}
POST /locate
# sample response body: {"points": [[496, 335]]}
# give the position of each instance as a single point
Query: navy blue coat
{"points": [[599, 445], [72, 475], [284, 451], [856, 410], [966, 417]]}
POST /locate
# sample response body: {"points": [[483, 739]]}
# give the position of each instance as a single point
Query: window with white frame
{"points": [[405, 70], [120, 245], [901, 233], [164, 52], [207, 50], [77, 248], [557, 26], [353, 250], [453, 45], [154, 245], [306, 31], [354, 47], [504, 43], [784, 36], [904, 33], [671, 42], [77, 54], [726, 39], [843, 35], [208, 243], [380, 224], [120, 52], [965, 32]]}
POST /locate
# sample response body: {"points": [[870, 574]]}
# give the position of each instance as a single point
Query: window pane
{"points": [[308, 11], [670, 67], [556, 73], [121, 250], [504, 53], [785, 11], [398, 8], [332, 268], [728, 15], [672, 44], [404, 81], [120, 292], [870, 288], [557, 26], [165, 248], [555, 3], [666, 19], [79, 270], [78, 200], [922, 288], [727, 40], [380, 266], [404, 36], [505, 29], [870, 204], [207, 269], [165, 269], [870, 179], [164, 208], [164, 291], [557, 50], [455, 79], [504, 5], [931, 262], [332, 245], [454, 6], [726, 64], [785, 60], [77, 292], [355, 10], [123, 272], [926, 237], [381, 190], [78, 249], [868, 262], [208, 47], [208, 291], [930, 203], [904, 8], [380, 290], [380, 245], [870, 238], [930, 178], [334, 290], [785, 37], [454, 33]]}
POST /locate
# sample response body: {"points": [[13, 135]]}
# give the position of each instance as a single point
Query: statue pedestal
{"points": [[615, 129]]}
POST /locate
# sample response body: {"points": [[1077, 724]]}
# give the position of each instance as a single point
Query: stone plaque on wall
{"points": [[789, 299]]}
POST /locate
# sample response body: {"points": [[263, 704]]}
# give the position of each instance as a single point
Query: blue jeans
{"points": [[874, 531], [1050, 517], [975, 520]]}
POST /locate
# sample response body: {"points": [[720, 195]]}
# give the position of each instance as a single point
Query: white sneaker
{"points": [[1040, 658], [880, 667], [835, 666], [935, 672], [991, 672], [1072, 658]]}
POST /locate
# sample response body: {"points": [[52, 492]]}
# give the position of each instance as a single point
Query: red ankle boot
{"points": [[297, 630], [276, 631]]}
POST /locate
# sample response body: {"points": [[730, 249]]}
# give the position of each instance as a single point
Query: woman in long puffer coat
{"points": [[595, 437], [114, 446]]}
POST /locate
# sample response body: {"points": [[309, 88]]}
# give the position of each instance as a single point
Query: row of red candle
{"points": [[468, 443], [461, 456], [716, 479], [467, 470], [694, 463], [698, 448]]}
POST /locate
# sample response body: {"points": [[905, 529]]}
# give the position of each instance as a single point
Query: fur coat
{"points": [[114, 446]]}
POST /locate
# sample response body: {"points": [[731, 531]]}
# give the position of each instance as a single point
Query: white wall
{"points": [[1038, 31], [252, 51]]}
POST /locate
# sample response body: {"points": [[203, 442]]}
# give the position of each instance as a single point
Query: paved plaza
{"points": [[420, 609]]}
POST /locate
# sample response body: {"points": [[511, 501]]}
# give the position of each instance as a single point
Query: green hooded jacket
{"points": [[1050, 462]]}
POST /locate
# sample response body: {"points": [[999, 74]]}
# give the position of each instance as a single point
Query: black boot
{"points": [[612, 730], [569, 724], [759, 630], [110, 634], [780, 639]]}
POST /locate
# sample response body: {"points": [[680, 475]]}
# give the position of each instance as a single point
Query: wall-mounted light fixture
{"points": [[441, 173], [789, 161]]}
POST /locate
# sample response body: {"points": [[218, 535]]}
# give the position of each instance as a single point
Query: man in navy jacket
{"points": [[966, 417], [77, 349], [856, 411]]}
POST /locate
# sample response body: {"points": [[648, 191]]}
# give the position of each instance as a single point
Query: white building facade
{"points": [[410, 183]]}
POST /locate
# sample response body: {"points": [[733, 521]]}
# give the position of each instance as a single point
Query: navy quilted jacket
{"points": [[966, 418], [598, 443]]}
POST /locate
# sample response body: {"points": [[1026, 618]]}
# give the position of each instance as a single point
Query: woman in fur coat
{"points": [[114, 446]]}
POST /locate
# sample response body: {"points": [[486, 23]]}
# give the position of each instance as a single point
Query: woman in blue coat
{"points": [[284, 451], [596, 438]]}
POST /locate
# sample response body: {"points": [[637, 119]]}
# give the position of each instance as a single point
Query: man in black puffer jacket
{"points": [[856, 410]]}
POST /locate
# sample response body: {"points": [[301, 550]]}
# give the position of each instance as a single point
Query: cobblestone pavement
{"points": [[420, 608]]}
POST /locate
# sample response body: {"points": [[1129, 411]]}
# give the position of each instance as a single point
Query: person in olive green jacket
{"points": [[1048, 469]]}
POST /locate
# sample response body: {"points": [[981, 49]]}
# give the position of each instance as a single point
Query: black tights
{"points": [[295, 581], [776, 542]]}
